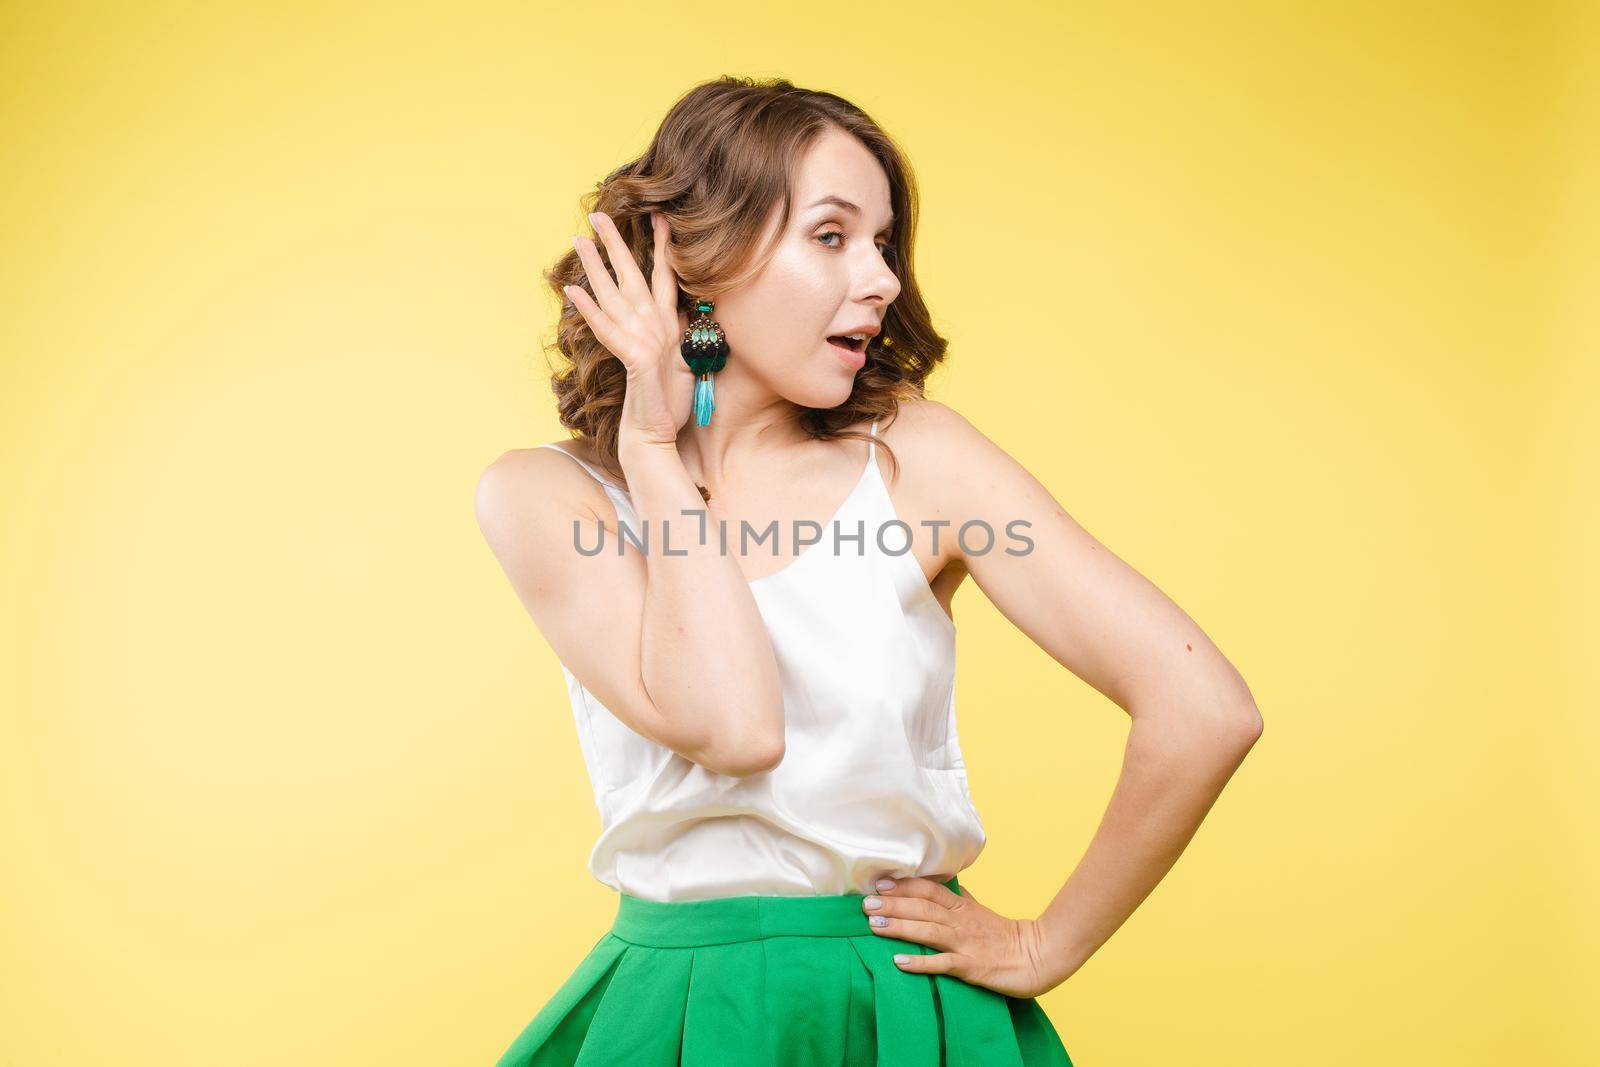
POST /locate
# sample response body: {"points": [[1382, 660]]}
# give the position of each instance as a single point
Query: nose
{"points": [[876, 282]]}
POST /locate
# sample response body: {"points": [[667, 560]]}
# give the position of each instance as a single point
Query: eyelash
{"points": [[886, 249]]}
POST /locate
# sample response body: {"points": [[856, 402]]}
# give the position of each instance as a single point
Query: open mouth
{"points": [[854, 344]]}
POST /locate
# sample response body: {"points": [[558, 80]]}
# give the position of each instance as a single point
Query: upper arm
{"points": [[589, 608], [1075, 598]]}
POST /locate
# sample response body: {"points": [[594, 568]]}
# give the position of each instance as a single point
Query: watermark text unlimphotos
{"points": [[893, 537]]}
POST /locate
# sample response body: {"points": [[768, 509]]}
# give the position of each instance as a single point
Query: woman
{"points": [[770, 732]]}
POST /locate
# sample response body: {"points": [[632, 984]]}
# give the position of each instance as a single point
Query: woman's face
{"points": [[827, 277]]}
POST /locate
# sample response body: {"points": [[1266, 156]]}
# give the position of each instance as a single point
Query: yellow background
{"points": [[1290, 304]]}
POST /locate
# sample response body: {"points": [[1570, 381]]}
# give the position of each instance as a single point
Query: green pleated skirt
{"points": [[770, 981]]}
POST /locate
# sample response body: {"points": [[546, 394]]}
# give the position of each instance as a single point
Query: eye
{"points": [[886, 249]]}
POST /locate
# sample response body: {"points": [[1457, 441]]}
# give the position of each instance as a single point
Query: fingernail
{"points": [[872, 902], [901, 958], [885, 884], [575, 240], [879, 920], [591, 218]]}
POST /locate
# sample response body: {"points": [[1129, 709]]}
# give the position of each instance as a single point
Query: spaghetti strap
{"points": [[592, 472]]}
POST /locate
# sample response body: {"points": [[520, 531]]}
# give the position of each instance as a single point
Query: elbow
{"points": [[739, 756], [737, 746], [1244, 727], [1236, 719], [745, 743], [747, 761]]}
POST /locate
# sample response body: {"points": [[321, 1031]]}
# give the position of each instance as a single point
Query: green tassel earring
{"points": [[705, 349]]}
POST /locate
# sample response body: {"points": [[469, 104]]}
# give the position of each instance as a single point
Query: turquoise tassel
{"points": [[705, 400]]}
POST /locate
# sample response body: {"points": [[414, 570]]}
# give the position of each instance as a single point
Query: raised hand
{"points": [[639, 324]]}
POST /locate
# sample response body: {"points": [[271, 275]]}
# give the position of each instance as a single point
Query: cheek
{"points": [[794, 300]]}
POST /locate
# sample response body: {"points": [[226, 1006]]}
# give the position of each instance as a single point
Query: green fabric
{"points": [[772, 981]]}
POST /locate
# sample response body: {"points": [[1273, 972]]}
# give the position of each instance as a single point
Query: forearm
{"points": [[1174, 768], [706, 660]]}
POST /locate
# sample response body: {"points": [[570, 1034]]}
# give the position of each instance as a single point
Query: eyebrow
{"points": [[841, 202]]}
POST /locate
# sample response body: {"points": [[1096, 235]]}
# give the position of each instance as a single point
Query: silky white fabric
{"points": [[872, 782]]}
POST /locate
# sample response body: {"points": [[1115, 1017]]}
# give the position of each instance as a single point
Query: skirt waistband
{"points": [[722, 920]]}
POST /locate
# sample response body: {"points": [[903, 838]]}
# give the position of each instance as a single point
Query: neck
{"points": [[714, 454]]}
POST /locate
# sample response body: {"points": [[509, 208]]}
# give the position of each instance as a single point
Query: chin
{"points": [[827, 384], [823, 395]]}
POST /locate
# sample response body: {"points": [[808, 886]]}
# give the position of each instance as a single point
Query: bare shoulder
{"points": [[526, 492], [920, 416], [520, 475], [938, 452], [952, 472], [933, 442]]}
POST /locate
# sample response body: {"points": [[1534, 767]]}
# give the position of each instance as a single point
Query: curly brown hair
{"points": [[721, 158]]}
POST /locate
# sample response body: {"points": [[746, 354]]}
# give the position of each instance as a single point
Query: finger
{"points": [[906, 908], [925, 889], [604, 289], [629, 281], [923, 933], [600, 324], [927, 962], [663, 278]]}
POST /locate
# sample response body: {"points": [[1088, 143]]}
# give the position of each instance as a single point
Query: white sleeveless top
{"points": [[872, 782]]}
